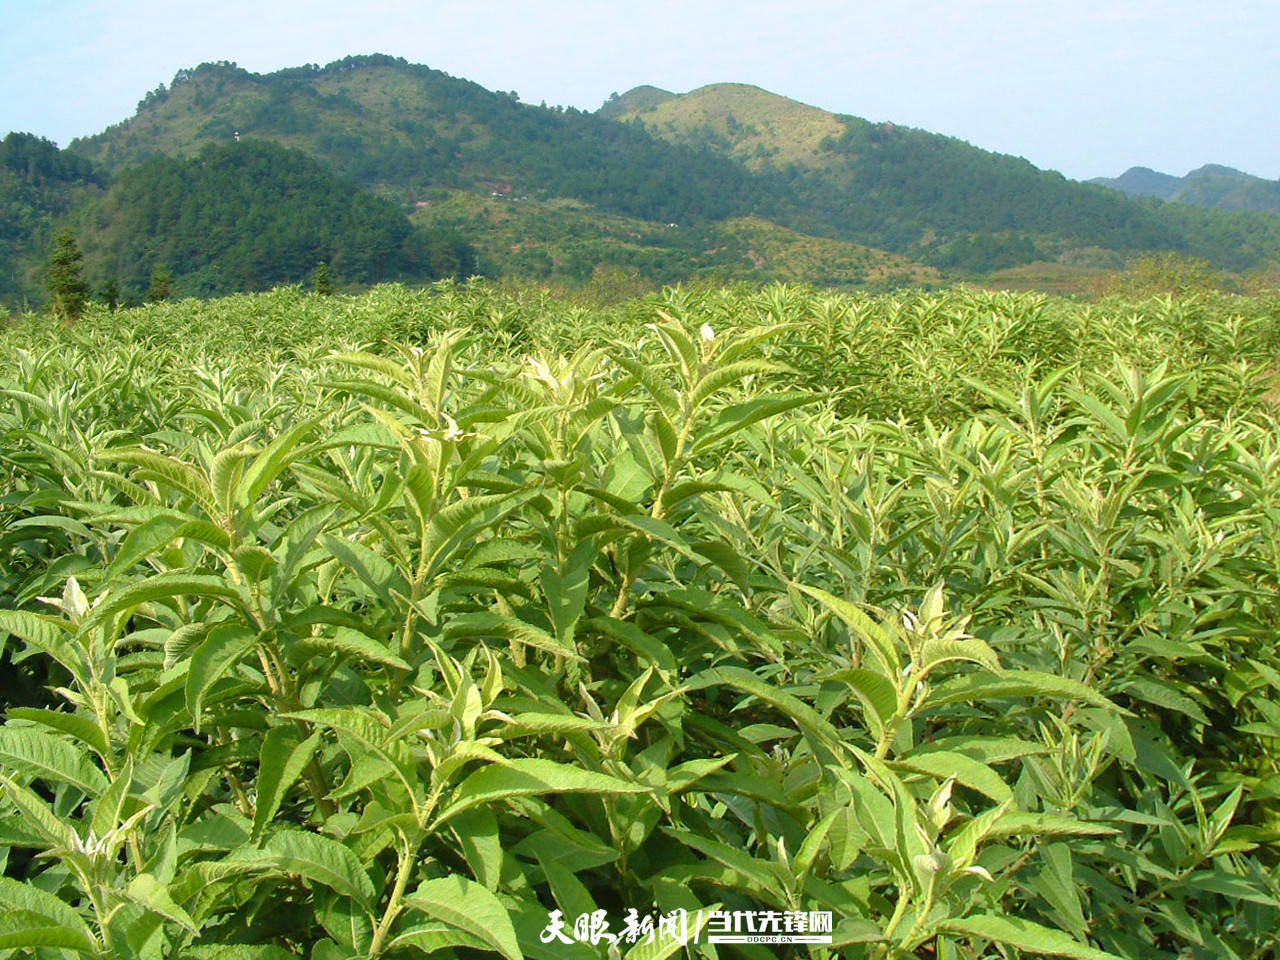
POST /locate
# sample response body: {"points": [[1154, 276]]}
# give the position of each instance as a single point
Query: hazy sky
{"points": [[1089, 88]]}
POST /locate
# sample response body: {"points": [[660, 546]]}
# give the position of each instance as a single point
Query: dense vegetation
{"points": [[385, 122], [381, 626], [38, 184], [935, 198], [251, 215], [572, 245], [406, 128]]}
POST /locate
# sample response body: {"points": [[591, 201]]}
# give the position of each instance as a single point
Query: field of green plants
{"points": [[384, 626]]}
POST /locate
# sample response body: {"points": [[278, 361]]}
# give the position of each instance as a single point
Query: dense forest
{"points": [[38, 183], [906, 181], [387, 123], [249, 215]]}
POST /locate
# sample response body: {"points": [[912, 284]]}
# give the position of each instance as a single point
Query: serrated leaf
{"points": [[146, 891], [348, 642], [815, 727], [487, 624], [28, 898], [862, 626], [217, 654], [529, 777], [321, 860], [1024, 935], [33, 753], [163, 586], [471, 908], [80, 727], [967, 771], [280, 762], [1016, 683]]}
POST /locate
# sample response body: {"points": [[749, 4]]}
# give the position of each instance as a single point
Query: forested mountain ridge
{"points": [[652, 183], [935, 197], [405, 127], [1213, 186], [727, 150]]}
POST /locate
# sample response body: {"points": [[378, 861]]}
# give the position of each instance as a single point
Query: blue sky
{"points": [[1089, 88]]}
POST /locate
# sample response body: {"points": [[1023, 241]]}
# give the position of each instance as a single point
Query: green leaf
{"points": [[435, 936], [755, 875], [49, 635], [163, 586], [33, 753], [267, 466], [1016, 683], [23, 930], [862, 626], [967, 771], [218, 653], [378, 573], [663, 947], [27, 898], [486, 624], [1024, 935], [349, 642], [471, 908], [815, 727], [37, 815], [528, 777], [81, 727], [739, 416], [1047, 825], [143, 541], [477, 833], [567, 594], [146, 891], [279, 764], [643, 644], [320, 860], [875, 690]]}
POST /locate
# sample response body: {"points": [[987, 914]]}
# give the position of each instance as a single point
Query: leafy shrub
{"points": [[383, 626]]}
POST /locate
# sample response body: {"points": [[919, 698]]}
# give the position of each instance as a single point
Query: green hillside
{"points": [[934, 197], [562, 195], [569, 243], [404, 128], [247, 216]]}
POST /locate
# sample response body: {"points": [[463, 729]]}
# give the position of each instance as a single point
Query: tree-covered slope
{"points": [[933, 196], [38, 183], [404, 127], [249, 215]]}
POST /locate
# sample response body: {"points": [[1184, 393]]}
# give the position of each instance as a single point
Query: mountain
{"points": [[931, 196], [1212, 186], [403, 128], [729, 181]]}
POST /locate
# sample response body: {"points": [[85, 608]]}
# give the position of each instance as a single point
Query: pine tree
{"points": [[320, 281], [68, 290]]}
